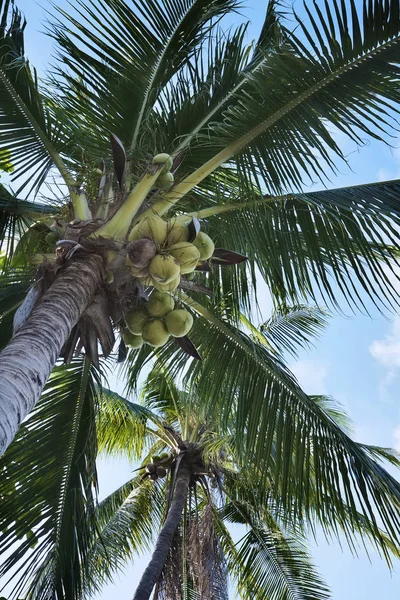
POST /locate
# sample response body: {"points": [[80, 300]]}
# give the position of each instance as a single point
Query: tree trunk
{"points": [[164, 541], [27, 361]]}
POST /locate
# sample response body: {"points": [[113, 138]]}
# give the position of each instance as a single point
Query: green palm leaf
{"points": [[128, 57], [283, 433], [327, 244], [290, 328], [269, 563], [51, 491], [126, 522], [28, 130]]}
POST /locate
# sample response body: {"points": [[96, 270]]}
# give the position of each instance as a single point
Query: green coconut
{"points": [[166, 287], [176, 233], [161, 158], [186, 254], [52, 238], [153, 228], [164, 268], [179, 322], [132, 340], [136, 320], [205, 245], [160, 304], [155, 333], [165, 180]]}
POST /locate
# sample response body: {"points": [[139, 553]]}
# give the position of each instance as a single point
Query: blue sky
{"points": [[357, 361]]}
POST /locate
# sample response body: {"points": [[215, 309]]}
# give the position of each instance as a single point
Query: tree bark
{"points": [[27, 361], [164, 541]]}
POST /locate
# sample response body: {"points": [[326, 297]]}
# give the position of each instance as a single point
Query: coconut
{"points": [[51, 238], [186, 254], [139, 273], [132, 340], [166, 287], [159, 159], [179, 322], [165, 180], [161, 472], [155, 333], [136, 320], [160, 304], [153, 228], [164, 269], [205, 245], [176, 233], [141, 252]]}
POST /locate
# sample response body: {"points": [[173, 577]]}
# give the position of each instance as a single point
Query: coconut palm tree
{"points": [[244, 126], [56, 541]]}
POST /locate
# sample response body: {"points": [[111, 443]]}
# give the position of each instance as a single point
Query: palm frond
{"points": [[329, 74], [289, 439], [14, 284], [269, 563], [325, 245], [121, 425], [121, 58], [60, 481], [28, 130], [293, 327], [126, 522]]}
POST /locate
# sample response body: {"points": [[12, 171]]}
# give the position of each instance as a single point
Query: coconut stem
{"points": [[118, 226], [80, 205]]}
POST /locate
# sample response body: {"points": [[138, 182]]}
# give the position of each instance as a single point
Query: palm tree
{"points": [[57, 542], [245, 126]]}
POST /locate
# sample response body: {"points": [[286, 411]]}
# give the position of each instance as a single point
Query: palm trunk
{"points": [[164, 541], [26, 362]]}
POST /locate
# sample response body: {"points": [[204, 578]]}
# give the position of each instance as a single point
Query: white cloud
{"points": [[387, 351], [311, 374]]}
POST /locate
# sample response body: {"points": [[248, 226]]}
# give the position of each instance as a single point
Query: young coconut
{"points": [[166, 287], [205, 245], [165, 181], [164, 269], [161, 471], [160, 304], [176, 233], [141, 251], [155, 333], [159, 159], [179, 322], [187, 255], [132, 340], [136, 320], [153, 228]]}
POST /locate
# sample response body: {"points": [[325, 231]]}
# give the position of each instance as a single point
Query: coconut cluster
{"points": [[159, 251], [155, 322], [156, 469]]}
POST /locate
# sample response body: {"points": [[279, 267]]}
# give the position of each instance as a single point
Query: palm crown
{"points": [[244, 127]]}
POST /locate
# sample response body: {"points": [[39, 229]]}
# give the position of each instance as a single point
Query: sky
{"points": [[356, 360]]}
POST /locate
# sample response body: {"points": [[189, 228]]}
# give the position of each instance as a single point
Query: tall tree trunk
{"points": [[164, 541], [27, 361]]}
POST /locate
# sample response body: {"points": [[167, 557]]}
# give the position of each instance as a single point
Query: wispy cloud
{"points": [[311, 374], [387, 353]]}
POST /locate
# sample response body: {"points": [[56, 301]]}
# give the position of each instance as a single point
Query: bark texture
{"points": [[27, 361], [164, 541]]}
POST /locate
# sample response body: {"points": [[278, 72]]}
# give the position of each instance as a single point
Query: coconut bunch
{"points": [[160, 251], [157, 468], [157, 320]]}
